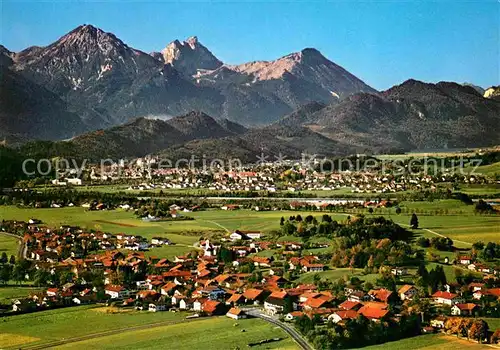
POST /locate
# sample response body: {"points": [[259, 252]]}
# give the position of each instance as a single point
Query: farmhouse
{"points": [[446, 298], [276, 303], [407, 292], [236, 313], [311, 267], [342, 315], [467, 309], [115, 291]]}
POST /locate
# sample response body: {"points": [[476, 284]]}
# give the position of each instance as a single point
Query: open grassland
{"points": [[213, 333], [429, 342], [448, 217], [58, 324], [12, 292], [8, 245], [124, 221], [490, 169], [477, 190], [159, 330]]}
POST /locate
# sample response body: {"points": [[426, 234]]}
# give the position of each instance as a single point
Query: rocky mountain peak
{"points": [[192, 41], [189, 56], [88, 34]]}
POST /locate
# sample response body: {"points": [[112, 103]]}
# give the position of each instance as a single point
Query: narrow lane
{"points": [[296, 336]]}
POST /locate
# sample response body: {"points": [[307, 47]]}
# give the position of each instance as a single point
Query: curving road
{"points": [[23, 249], [296, 336]]}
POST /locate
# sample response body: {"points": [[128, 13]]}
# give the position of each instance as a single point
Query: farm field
{"points": [[429, 342], [49, 326], [466, 226], [213, 333], [8, 245], [122, 221]]}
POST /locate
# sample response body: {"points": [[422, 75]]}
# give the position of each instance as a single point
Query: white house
{"points": [[115, 291], [446, 298], [157, 307], [236, 313]]}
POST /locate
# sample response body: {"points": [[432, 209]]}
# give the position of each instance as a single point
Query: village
{"points": [[269, 178], [226, 276]]}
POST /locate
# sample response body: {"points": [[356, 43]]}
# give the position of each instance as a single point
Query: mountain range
{"points": [[114, 100]]}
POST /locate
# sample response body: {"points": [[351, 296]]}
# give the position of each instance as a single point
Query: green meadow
{"points": [[429, 342], [8, 245], [165, 329], [214, 333]]}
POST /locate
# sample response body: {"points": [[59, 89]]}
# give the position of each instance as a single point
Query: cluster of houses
{"points": [[472, 265], [54, 245], [272, 177], [205, 286]]}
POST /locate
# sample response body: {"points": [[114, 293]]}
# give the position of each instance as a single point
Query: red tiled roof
{"points": [[210, 306], [372, 313], [376, 305], [468, 306], [279, 294], [444, 295], [235, 298], [252, 293], [493, 291], [235, 311], [347, 314], [405, 288], [349, 305], [314, 302], [114, 288], [177, 273], [169, 286], [380, 294]]}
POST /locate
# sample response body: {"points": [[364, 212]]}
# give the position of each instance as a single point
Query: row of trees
{"points": [[357, 332]]}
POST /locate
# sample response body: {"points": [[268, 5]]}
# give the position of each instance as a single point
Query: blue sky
{"points": [[381, 42]]}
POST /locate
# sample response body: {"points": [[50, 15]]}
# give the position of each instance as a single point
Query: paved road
{"points": [[296, 336]]}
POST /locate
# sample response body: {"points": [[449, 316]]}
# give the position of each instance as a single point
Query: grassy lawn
{"points": [[428, 342], [213, 333], [9, 245], [335, 274], [493, 323], [10, 292]]}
